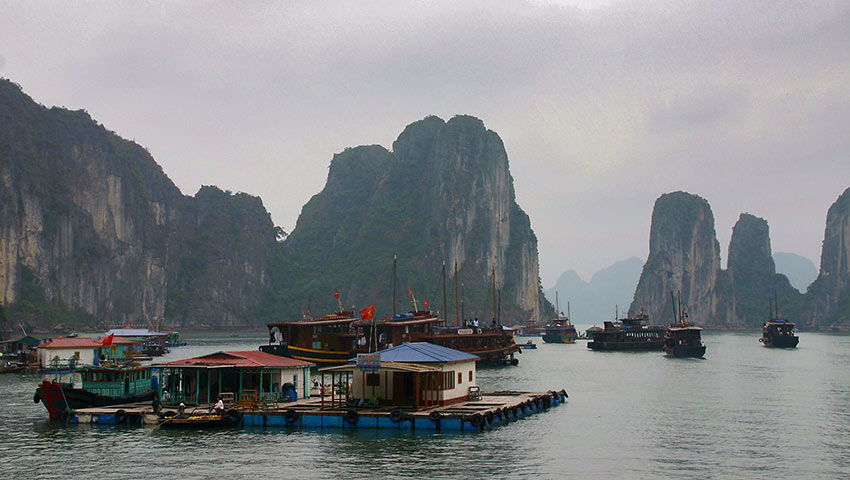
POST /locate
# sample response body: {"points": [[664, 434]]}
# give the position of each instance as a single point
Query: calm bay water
{"points": [[743, 412]]}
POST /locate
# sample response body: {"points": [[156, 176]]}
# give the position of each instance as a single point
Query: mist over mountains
{"points": [[597, 300], [801, 271]]}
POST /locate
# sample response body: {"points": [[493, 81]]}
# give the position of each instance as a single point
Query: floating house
{"points": [[21, 349], [81, 351], [244, 375], [149, 342], [416, 375]]}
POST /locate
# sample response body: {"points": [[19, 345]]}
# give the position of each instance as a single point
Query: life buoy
{"points": [[564, 393], [515, 411], [36, 397], [476, 420], [760, 340], [291, 416], [435, 416], [396, 415], [120, 417], [351, 416], [489, 417]]}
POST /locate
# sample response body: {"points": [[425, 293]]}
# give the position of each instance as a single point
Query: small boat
{"points": [[529, 345], [101, 386], [229, 418], [11, 368], [682, 339], [590, 332], [560, 330], [777, 332]]}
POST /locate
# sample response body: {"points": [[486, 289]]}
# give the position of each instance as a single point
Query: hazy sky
{"points": [[602, 106]]}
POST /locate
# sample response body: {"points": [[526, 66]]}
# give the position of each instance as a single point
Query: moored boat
{"points": [[561, 330], [627, 334], [329, 340], [682, 339], [229, 418], [101, 386]]}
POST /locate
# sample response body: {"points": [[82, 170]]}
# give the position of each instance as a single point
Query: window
{"points": [[373, 380], [470, 376], [317, 345], [459, 378], [449, 380]]}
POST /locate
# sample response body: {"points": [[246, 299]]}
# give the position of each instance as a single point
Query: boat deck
{"points": [[485, 412]]}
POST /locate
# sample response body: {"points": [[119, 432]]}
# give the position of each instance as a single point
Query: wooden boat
{"points": [[101, 386], [779, 333], [529, 345], [627, 334], [230, 418], [325, 341], [560, 330], [682, 340], [590, 332]]}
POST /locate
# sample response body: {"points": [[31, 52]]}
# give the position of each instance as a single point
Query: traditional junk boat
{"points": [[777, 332], [682, 339], [326, 341], [630, 333], [100, 386], [560, 330]]}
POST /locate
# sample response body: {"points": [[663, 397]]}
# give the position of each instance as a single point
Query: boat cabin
{"points": [[407, 327], [148, 342], [331, 339], [202, 380], [415, 375]]}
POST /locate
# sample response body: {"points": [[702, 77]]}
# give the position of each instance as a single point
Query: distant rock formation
{"points": [[830, 293], [684, 256], [801, 271], [597, 300], [444, 193], [93, 232], [753, 281]]}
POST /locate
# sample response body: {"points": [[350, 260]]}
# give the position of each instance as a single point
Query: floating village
{"points": [[410, 371]]}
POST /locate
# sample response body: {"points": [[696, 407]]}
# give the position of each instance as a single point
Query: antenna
{"points": [[395, 262]]}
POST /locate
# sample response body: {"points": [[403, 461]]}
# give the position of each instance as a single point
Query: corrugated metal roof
{"points": [[249, 358], [134, 332], [423, 352]]}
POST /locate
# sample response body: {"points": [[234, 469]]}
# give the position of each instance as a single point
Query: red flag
{"points": [[368, 312], [106, 342], [425, 303], [410, 294], [336, 293]]}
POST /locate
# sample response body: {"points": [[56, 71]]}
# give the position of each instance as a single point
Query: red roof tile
{"points": [[249, 358]]}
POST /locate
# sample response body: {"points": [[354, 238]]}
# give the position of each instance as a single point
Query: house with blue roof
{"points": [[415, 375]]}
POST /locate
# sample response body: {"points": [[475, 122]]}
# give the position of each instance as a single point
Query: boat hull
{"points": [[322, 358], [643, 346], [685, 351], [781, 341], [60, 399], [555, 338]]}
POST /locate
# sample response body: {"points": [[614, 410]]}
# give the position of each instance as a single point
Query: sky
{"points": [[602, 105]]}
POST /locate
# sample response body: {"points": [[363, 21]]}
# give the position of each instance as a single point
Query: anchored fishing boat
{"points": [[682, 340], [560, 330], [778, 332]]}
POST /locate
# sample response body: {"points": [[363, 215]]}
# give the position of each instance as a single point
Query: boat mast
{"points": [[494, 293], [568, 312], [395, 261], [776, 303], [457, 304], [499, 315], [445, 307], [557, 307], [673, 298], [679, 296]]}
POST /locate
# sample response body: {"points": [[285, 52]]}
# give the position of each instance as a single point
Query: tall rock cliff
{"points": [[91, 229], [683, 256], [752, 277], [829, 295], [444, 193]]}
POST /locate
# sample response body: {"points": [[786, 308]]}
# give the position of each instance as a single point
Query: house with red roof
{"points": [[81, 351], [202, 380]]}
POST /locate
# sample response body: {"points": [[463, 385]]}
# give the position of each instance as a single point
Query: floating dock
{"points": [[488, 411]]}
